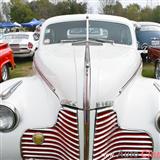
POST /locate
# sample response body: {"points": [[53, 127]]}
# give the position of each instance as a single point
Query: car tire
{"points": [[157, 70], [5, 72]]}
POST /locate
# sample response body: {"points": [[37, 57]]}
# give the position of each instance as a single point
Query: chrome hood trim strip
{"points": [[9, 91], [127, 83], [51, 87], [87, 93], [86, 100]]}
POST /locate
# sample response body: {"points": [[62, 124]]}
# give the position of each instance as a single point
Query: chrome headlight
{"points": [[8, 119], [157, 121]]}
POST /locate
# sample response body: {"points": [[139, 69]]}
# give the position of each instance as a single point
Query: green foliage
{"points": [[20, 11], [133, 12], [156, 14], [1, 18], [116, 9], [42, 9], [146, 14], [70, 7]]}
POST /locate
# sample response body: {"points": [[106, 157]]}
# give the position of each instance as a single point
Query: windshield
{"points": [[76, 30], [147, 34]]}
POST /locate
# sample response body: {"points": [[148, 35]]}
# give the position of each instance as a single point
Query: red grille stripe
{"points": [[61, 141], [110, 140]]}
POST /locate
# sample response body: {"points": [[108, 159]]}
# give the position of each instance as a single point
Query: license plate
{"points": [[155, 42]]}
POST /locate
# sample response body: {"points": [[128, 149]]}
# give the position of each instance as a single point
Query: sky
{"points": [[95, 4]]}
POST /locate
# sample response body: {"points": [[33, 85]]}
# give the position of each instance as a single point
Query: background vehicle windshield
{"points": [[147, 34], [98, 30]]}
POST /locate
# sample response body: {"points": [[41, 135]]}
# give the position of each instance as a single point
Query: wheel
{"points": [[157, 70], [5, 72]]}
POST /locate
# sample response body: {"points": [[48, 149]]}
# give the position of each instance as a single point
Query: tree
{"points": [[133, 12], [146, 14], [1, 17], [156, 14], [20, 11], [42, 8], [116, 9], [108, 6], [6, 11], [70, 7]]}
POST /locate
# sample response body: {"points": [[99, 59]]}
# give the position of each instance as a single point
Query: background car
{"points": [[146, 34], [6, 61], [23, 44], [148, 37]]}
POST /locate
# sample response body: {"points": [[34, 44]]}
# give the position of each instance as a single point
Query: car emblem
{"points": [[38, 138]]}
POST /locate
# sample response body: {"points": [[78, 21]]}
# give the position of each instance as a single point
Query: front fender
{"points": [[37, 106], [138, 107]]}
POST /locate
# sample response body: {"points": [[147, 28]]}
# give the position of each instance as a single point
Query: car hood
{"points": [[111, 67]]}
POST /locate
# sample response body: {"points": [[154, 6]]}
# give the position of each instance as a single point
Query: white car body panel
{"points": [[59, 77]]}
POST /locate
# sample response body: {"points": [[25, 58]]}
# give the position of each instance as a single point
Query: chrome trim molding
{"points": [[9, 91], [131, 78], [104, 104], [49, 84], [157, 86], [65, 102], [86, 94]]}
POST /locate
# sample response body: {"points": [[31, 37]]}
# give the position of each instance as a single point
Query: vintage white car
{"points": [[87, 99], [23, 44]]}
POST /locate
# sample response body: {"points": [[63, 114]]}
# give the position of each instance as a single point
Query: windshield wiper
{"points": [[68, 40], [102, 40], [91, 42]]}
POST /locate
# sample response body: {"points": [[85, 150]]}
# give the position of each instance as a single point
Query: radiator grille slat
{"points": [[61, 142], [111, 142]]}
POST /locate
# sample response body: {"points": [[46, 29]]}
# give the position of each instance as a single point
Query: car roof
{"points": [[149, 23], [77, 17]]}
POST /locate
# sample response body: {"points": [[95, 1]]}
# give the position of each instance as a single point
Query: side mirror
{"points": [[36, 36]]}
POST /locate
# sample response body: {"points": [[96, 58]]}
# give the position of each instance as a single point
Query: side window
{"points": [[49, 37], [125, 36]]}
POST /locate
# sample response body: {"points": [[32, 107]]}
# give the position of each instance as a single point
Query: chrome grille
{"points": [[60, 141], [112, 142]]}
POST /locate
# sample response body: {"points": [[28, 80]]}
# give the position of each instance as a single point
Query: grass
{"points": [[148, 70], [24, 68]]}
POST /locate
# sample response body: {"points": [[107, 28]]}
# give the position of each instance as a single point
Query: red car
{"points": [[6, 61]]}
